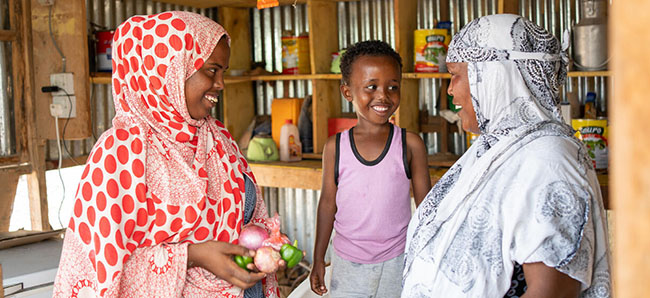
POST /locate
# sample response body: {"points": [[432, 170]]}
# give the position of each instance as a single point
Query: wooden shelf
{"points": [[105, 77], [444, 75], [305, 174], [228, 3], [100, 78], [601, 73], [426, 75], [281, 77]]}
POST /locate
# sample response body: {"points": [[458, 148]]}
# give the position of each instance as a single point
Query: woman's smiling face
{"points": [[459, 89], [203, 87]]}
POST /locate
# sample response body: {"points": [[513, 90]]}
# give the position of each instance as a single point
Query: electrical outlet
{"points": [[63, 107], [64, 81]]}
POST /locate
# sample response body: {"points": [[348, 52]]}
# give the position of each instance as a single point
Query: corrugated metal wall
{"points": [[7, 120], [297, 208], [7, 126], [543, 13], [268, 27]]}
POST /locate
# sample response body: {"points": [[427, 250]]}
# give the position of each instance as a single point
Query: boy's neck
{"points": [[371, 128]]}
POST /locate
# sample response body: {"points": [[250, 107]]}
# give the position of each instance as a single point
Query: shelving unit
{"points": [[239, 100]]}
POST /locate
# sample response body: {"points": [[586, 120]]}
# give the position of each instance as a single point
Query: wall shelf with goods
{"points": [[240, 106], [105, 77]]}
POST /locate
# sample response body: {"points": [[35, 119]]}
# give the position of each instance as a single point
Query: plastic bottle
{"points": [[290, 146], [590, 106]]}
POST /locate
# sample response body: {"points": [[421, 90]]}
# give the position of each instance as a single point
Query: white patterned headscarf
{"points": [[517, 76], [525, 191]]}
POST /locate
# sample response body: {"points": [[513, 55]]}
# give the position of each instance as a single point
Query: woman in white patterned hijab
{"points": [[521, 210]]}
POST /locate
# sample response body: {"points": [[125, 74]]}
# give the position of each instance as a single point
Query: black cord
{"points": [[92, 101], [66, 125]]}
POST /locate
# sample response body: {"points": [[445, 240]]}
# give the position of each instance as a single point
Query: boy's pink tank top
{"points": [[372, 200]]}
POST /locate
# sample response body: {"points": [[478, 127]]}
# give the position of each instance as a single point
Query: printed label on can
{"points": [[431, 50], [593, 133]]}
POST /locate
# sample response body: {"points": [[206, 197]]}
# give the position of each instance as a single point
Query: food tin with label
{"points": [[593, 133]]}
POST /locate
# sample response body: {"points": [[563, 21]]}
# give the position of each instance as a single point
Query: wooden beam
{"points": [[18, 72], [444, 137], [407, 115], [8, 184], [20, 168], [238, 108], [227, 3], [305, 174], [239, 101], [36, 145], [409, 111], [69, 30], [323, 35], [509, 6], [630, 179], [66, 162], [325, 104], [237, 24], [7, 35], [405, 25]]}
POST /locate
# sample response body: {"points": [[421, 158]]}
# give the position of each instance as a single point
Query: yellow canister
{"points": [[295, 54], [431, 50], [593, 133], [471, 137]]}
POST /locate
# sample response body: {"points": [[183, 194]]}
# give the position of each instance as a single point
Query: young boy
{"points": [[367, 174]]}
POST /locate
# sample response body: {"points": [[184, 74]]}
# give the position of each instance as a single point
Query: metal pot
{"points": [[590, 36]]}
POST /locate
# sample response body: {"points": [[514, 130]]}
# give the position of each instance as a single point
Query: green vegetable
{"points": [[291, 254], [243, 261]]}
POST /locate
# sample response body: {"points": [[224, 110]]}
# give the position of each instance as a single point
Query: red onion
{"points": [[266, 259], [252, 236]]}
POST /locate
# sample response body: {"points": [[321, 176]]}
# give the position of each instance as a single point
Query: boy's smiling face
{"points": [[374, 88]]}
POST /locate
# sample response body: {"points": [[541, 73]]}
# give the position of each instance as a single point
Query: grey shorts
{"points": [[355, 280]]}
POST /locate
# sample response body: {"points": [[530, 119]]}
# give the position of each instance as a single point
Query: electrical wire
{"points": [[92, 104], [66, 125], [53, 40], [58, 143]]}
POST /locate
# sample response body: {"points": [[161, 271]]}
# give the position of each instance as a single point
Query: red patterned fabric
{"points": [[158, 179]]}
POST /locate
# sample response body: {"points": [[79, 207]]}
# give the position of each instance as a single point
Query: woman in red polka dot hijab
{"points": [[167, 179]]}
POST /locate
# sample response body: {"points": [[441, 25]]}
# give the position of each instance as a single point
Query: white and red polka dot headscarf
{"points": [[158, 176]]}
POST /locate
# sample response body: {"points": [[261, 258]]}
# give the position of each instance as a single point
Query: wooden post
{"points": [[238, 103], [509, 6], [36, 145], [408, 115], [629, 174], [2, 290], [325, 104], [323, 41]]}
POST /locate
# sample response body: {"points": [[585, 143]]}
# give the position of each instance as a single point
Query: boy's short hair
{"points": [[363, 48]]}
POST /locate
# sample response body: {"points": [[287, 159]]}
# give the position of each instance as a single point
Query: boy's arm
{"points": [[420, 180], [325, 220]]}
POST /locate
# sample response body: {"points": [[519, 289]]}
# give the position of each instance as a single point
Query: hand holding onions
{"points": [[267, 247]]}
